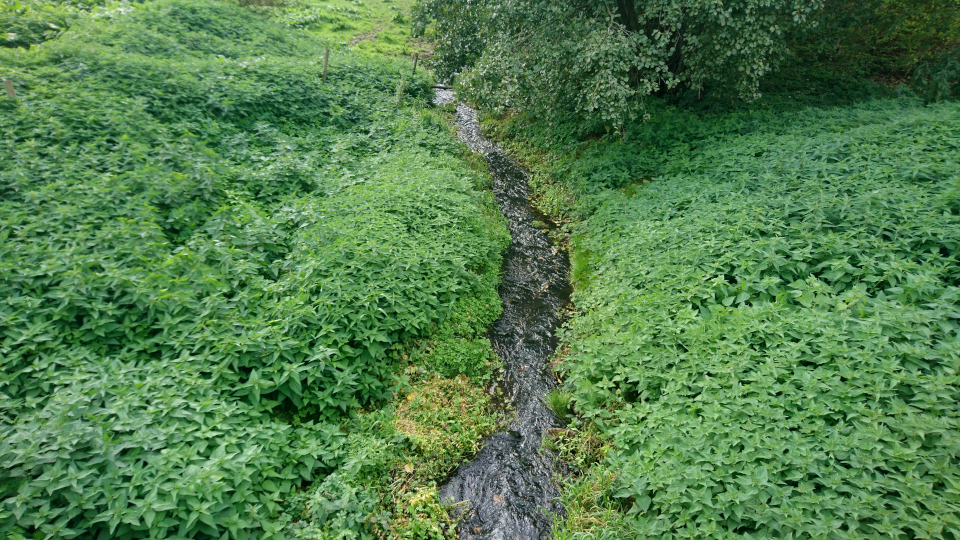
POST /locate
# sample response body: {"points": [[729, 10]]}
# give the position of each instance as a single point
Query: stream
{"points": [[509, 483]]}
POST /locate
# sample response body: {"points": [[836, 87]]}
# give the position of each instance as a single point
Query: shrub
{"points": [[560, 402], [939, 78], [24, 24], [599, 60], [886, 39]]}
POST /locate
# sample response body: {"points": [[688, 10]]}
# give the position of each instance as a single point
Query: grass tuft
{"points": [[560, 402]]}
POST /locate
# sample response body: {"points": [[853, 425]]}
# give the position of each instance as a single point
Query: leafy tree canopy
{"points": [[596, 57]]}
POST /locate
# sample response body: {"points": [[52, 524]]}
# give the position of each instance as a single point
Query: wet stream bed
{"points": [[509, 483]]}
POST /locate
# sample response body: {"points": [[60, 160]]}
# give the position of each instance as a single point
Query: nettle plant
{"points": [[769, 336], [597, 58], [198, 241]]}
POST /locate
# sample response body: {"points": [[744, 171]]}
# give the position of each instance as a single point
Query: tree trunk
{"points": [[627, 14]]}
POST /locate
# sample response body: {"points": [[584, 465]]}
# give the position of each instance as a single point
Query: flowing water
{"points": [[509, 483]]}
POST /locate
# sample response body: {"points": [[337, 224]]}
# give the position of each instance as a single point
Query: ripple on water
{"points": [[509, 483]]}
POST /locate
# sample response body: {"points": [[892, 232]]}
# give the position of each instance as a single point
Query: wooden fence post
{"points": [[326, 57], [416, 57], [10, 91]]}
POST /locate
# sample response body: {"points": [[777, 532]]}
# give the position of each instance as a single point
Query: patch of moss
{"points": [[445, 421], [420, 514]]}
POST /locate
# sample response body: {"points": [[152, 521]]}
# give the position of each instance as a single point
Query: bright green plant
{"points": [[205, 255], [769, 336], [560, 402], [459, 346], [346, 503], [458, 356]]}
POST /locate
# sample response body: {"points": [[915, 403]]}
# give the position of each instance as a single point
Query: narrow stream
{"points": [[509, 483]]}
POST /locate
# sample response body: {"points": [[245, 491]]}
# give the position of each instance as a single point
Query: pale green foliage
{"points": [[592, 58], [311, 16]]}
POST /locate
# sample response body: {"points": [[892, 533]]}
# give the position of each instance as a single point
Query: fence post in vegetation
{"points": [[326, 56], [416, 57], [10, 91]]}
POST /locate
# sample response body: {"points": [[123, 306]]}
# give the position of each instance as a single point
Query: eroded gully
{"points": [[509, 483]]}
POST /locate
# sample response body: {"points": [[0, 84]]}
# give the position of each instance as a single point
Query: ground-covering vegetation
{"points": [[373, 26], [767, 333], [215, 273], [238, 302], [378, 27]]}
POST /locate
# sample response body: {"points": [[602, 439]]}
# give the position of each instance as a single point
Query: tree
{"points": [[881, 38], [596, 57]]}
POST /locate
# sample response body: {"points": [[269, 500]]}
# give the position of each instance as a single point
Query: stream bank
{"points": [[509, 483]]}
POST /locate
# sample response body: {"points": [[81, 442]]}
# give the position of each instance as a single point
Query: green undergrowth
{"points": [[587, 489], [380, 27], [373, 27], [460, 346], [387, 484], [209, 260], [24, 24], [767, 331]]}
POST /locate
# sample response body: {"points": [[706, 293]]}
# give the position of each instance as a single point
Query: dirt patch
{"points": [[366, 36]]}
